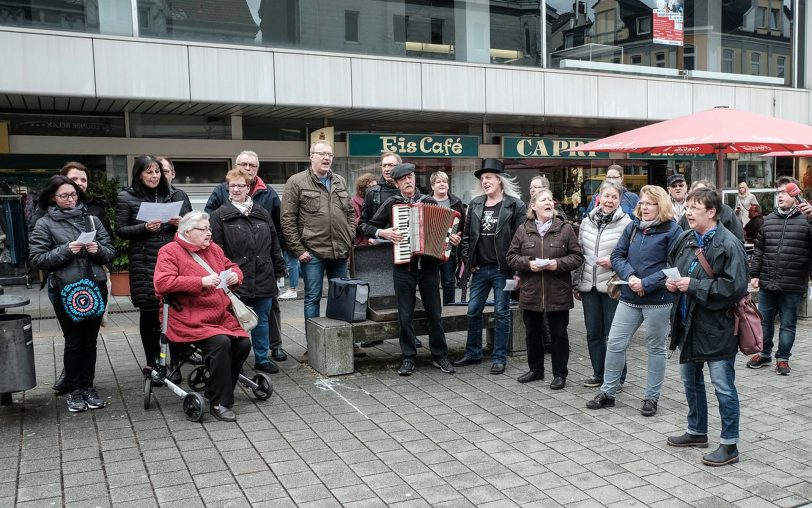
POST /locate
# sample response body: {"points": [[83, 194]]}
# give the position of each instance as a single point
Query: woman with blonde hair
{"points": [[744, 200], [638, 259]]}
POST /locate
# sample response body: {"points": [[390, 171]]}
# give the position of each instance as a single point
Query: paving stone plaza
{"points": [[375, 439]]}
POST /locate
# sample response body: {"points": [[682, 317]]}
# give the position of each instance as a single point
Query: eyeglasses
{"points": [[67, 196], [248, 165], [237, 186], [388, 165], [646, 203], [323, 154], [202, 229], [612, 177], [697, 208]]}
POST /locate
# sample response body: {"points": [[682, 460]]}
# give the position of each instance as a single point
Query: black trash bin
{"points": [[17, 371]]}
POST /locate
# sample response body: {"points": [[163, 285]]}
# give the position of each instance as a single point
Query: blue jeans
{"points": [[482, 281], [627, 320], [786, 305], [723, 377], [448, 280], [599, 312], [313, 273], [259, 335], [292, 263]]}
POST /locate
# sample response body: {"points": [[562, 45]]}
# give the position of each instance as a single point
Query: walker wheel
{"points": [[199, 378], [194, 405], [147, 391], [264, 388]]}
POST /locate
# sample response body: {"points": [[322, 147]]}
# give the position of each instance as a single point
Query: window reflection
{"points": [[748, 37]]}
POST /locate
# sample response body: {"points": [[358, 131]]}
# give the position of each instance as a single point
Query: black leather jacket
{"points": [[512, 215]]}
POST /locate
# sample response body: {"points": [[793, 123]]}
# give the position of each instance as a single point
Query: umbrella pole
{"points": [[720, 169]]}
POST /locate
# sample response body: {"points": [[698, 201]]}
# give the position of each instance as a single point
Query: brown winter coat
{"points": [[545, 290]]}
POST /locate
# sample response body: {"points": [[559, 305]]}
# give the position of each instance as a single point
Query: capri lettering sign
{"points": [[412, 145], [546, 148]]}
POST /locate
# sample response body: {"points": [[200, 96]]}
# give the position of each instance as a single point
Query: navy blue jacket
{"points": [[645, 258]]}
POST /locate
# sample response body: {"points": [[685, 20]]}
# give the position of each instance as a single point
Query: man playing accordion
{"points": [[420, 272]]}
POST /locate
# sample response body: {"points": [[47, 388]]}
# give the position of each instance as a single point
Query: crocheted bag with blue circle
{"points": [[82, 300]]}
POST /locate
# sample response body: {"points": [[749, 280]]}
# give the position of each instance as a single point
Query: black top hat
{"points": [[675, 178], [490, 166], [401, 170]]}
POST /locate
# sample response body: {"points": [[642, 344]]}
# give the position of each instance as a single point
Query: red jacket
{"points": [[204, 312]]}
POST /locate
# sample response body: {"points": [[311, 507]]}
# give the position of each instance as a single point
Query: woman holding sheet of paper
{"points": [[638, 259], [598, 235], [149, 185], [544, 252], [70, 245]]}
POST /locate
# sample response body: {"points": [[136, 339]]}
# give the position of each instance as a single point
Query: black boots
{"points": [[725, 454]]}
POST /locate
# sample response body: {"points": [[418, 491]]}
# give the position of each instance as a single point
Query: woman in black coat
{"points": [[149, 185], [248, 237], [55, 249]]}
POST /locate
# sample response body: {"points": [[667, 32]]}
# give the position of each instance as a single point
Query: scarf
{"points": [[786, 213], [702, 241], [602, 219], [57, 213], [543, 228], [645, 225], [244, 208]]}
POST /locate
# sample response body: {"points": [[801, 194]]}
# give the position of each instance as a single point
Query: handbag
{"points": [[245, 315], [747, 324], [81, 299]]}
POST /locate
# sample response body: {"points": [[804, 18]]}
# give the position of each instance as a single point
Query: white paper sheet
{"points": [[86, 238], [590, 259], [541, 262], [158, 211], [672, 273], [224, 275], [510, 285], [620, 282]]}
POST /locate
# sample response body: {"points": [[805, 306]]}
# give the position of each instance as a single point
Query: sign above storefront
{"points": [[412, 145], [546, 148]]}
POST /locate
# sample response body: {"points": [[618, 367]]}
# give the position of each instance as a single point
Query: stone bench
{"points": [[330, 342]]}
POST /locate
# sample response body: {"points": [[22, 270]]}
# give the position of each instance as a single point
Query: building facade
{"points": [[201, 80]]}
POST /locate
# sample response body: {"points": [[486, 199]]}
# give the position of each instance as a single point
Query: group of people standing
{"points": [[624, 242]]}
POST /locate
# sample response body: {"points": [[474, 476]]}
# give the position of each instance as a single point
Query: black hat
{"points": [[675, 178], [401, 170], [490, 166]]}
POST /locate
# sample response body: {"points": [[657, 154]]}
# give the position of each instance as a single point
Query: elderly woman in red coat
{"points": [[200, 311]]}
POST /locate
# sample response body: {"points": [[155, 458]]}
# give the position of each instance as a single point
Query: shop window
{"points": [[437, 30], [755, 64], [351, 26], [727, 60], [644, 25], [400, 26], [659, 59]]}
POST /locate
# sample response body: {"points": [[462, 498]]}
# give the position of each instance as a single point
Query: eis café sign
{"points": [[412, 145]]}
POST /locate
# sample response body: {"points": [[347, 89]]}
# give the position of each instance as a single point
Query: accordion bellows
{"points": [[426, 229]]}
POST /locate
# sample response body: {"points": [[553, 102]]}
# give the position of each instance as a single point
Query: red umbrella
{"points": [[799, 153], [719, 130]]}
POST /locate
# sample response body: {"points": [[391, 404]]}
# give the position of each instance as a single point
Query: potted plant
{"points": [[108, 189]]}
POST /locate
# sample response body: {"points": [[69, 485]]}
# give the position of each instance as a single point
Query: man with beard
{"points": [[421, 273], [677, 190]]}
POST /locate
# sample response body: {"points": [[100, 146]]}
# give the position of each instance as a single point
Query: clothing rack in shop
{"points": [[14, 226]]}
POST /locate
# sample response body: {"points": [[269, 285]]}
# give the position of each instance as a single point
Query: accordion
{"points": [[426, 230]]}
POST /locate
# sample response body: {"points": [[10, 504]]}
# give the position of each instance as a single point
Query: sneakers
{"points": [[593, 383], [601, 400], [290, 294], [782, 368], [444, 365], [76, 403], [649, 407], [92, 399], [406, 368], [758, 361], [688, 440]]}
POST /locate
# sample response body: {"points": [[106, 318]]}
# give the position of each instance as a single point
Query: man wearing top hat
{"points": [[493, 217], [422, 272]]}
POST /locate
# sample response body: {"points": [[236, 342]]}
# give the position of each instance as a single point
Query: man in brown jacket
{"points": [[318, 223]]}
